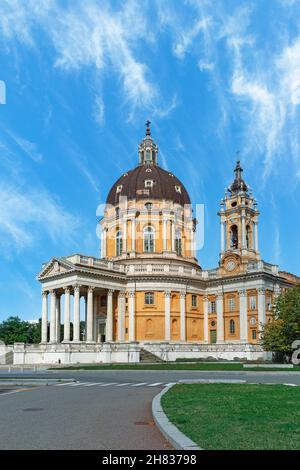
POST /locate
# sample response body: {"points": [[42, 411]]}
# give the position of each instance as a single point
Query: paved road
{"points": [[103, 410]]}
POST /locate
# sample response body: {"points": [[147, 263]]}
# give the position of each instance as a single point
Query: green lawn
{"points": [[175, 366], [236, 416]]}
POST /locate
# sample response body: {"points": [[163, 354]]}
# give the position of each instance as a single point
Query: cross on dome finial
{"points": [[148, 130]]}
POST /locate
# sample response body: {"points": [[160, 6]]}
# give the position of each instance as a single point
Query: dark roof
{"points": [[238, 183], [133, 186]]}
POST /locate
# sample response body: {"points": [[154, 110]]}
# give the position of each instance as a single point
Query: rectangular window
{"points": [[252, 301], [231, 305], [194, 300], [253, 334], [212, 306], [103, 301], [149, 298]]}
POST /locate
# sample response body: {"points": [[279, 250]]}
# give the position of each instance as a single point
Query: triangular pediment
{"points": [[55, 267]]}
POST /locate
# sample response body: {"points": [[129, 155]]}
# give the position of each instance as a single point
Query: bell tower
{"points": [[239, 225]]}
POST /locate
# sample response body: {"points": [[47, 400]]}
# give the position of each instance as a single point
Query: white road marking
{"points": [[123, 385], [93, 384], [171, 383], [106, 385], [77, 384], [154, 385], [139, 385]]}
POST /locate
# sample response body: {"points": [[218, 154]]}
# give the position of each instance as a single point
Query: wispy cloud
{"points": [[93, 35], [26, 214]]}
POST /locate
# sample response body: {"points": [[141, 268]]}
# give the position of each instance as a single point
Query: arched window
{"points": [[174, 327], [178, 245], [232, 327], [148, 239], [148, 206], [248, 236], [119, 243], [117, 212], [234, 237], [149, 326]]}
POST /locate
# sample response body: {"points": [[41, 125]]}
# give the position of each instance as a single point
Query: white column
{"points": [[131, 315], [109, 319], [124, 248], [167, 315], [133, 227], [243, 233], [182, 317], [205, 319], [243, 316], [222, 237], [256, 236], [220, 319], [76, 323], [121, 316], [67, 315], [57, 318], [261, 306], [44, 335], [52, 316], [164, 234], [90, 311], [94, 318], [173, 235]]}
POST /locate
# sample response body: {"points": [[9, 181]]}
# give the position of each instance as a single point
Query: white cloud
{"points": [[89, 34], [187, 37], [26, 214], [29, 148]]}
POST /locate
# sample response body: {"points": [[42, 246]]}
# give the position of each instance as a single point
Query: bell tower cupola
{"points": [[239, 224], [148, 148]]}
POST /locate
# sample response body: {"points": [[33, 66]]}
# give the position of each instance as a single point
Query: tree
{"points": [[279, 334], [13, 330]]}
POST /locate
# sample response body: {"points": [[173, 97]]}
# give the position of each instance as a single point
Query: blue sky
{"points": [[82, 77]]}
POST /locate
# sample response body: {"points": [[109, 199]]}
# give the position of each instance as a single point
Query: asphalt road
{"points": [[103, 410]]}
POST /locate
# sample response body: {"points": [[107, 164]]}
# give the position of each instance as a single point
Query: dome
{"points": [[148, 181]]}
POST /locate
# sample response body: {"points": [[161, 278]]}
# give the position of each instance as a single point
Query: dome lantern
{"points": [[148, 148]]}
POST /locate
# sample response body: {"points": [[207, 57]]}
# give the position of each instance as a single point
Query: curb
{"points": [[178, 440], [212, 381]]}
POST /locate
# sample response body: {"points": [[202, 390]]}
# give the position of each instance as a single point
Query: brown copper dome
{"points": [[148, 181]]}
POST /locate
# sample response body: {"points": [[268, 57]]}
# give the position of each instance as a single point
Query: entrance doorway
{"points": [[101, 330], [213, 336]]}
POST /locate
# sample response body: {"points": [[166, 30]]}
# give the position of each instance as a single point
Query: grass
{"points": [[176, 366], [236, 416]]}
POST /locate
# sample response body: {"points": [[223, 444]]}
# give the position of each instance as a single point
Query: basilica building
{"points": [[147, 296]]}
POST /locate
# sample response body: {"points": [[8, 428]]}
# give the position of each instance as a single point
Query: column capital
{"points": [[219, 296], [205, 298], [76, 289], [122, 293], [261, 290], [182, 295], [91, 289], [67, 289], [53, 292], [45, 293], [131, 293], [242, 293], [110, 292], [167, 294]]}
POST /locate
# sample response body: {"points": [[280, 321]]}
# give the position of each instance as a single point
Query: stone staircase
{"points": [[148, 357]]}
